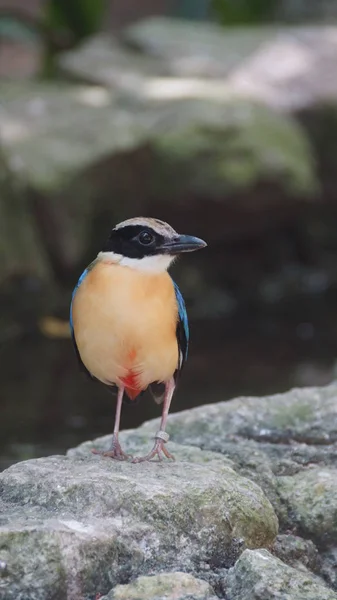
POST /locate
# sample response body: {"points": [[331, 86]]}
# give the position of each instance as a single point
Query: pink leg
{"points": [[161, 436], [115, 450]]}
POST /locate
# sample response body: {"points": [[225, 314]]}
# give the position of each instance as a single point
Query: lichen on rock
{"points": [[258, 575], [171, 586], [108, 522]]}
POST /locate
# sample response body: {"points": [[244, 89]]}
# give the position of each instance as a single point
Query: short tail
{"points": [[157, 391]]}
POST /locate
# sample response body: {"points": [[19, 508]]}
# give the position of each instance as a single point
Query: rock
{"points": [[258, 575], [160, 47], [309, 496], [218, 147], [183, 73], [171, 121], [101, 525], [48, 128], [21, 247], [240, 60], [296, 552], [58, 129], [329, 567], [102, 60], [287, 444], [306, 417], [190, 49], [53, 133], [168, 586], [84, 151], [94, 523]]}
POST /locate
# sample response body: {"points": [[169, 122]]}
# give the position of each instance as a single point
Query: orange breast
{"points": [[125, 326]]}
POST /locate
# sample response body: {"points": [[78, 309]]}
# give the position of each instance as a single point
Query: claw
{"points": [[158, 449], [115, 452]]}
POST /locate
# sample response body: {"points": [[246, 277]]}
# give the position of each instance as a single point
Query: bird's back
{"points": [[125, 324]]}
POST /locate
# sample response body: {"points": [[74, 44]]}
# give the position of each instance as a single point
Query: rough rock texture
{"points": [[258, 575], [287, 444], [282, 442], [98, 523], [76, 526], [297, 552], [169, 586]]}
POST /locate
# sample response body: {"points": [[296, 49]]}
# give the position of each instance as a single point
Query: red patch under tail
{"points": [[130, 382]]}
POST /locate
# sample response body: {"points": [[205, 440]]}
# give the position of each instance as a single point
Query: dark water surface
{"points": [[47, 405]]}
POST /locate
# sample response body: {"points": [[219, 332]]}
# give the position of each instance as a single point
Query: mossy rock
{"points": [[258, 575], [109, 522], [171, 586]]}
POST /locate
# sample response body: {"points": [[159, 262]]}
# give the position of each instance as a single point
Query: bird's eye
{"points": [[146, 238]]}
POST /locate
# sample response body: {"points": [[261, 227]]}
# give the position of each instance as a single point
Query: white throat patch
{"points": [[155, 264]]}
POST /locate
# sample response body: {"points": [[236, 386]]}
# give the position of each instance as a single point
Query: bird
{"points": [[128, 320]]}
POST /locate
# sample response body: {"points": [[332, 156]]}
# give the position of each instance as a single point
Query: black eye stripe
{"points": [[126, 241]]}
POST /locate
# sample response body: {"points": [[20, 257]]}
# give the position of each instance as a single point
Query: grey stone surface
{"points": [[282, 442], [56, 132], [100, 525], [94, 523], [287, 444], [306, 417], [104, 61], [297, 552], [196, 49], [82, 150], [243, 60], [167, 586], [57, 129], [258, 575], [181, 59], [310, 497], [329, 566]]}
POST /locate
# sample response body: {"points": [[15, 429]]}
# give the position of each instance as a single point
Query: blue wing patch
{"points": [[82, 366], [84, 274], [183, 333]]}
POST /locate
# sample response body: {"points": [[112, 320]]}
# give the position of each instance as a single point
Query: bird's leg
{"points": [[115, 450], [161, 436]]}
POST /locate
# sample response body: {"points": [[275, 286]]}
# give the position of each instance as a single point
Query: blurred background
{"points": [[217, 116]]}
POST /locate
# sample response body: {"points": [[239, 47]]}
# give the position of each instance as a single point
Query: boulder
{"points": [[286, 443], [143, 121], [83, 525], [258, 575], [241, 59], [72, 527], [171, 586]]}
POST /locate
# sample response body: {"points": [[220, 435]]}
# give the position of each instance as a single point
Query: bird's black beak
{"points": [[183, 243]]}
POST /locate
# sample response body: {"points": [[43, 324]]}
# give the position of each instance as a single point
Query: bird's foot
{"points": [[115, 451], [158, 449]]}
